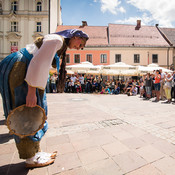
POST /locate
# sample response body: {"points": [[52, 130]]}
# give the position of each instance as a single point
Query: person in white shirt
{"points": [[73, 80], [23, 78], [162, 91], [81, 79]]}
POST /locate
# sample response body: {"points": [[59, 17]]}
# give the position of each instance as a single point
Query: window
{"points": [[38, 7], [136, 58], [38, 26], [154, 58], [76, 58], [89, 58], [14, 43], [14, 26], [67, 58], [103, 58], [14, 5], [0, 8], [117, 58], [0, 5]]}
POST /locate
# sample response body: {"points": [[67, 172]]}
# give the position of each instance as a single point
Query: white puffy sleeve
{"points": [[38, 70]]}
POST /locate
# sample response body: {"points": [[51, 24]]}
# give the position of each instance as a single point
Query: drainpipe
{"points": [[168, 57], [148, 58]]}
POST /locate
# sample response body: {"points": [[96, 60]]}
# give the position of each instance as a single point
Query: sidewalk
{"points": [[100, 135]]}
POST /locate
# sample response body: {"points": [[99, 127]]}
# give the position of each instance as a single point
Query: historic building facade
{"points": [[21, 21], [131, 44]]}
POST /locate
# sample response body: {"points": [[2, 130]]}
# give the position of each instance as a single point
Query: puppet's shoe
{"points": [[53, 155], [40, 159]]}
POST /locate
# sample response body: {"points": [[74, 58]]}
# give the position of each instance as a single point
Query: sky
{"points": [[103, 12]]}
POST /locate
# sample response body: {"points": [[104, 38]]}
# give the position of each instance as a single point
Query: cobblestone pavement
{"points": [[100, 135]]}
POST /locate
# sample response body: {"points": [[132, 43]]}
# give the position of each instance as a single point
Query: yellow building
{"points": [[21, 21]]}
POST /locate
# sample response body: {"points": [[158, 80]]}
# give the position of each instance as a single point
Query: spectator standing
{"points": [[81, 80], [48, 85], [99, 80], [173, 86], [88, 87], [157, 85], [53, 80], [148, 85], [152, 87], [73, 79], [168, 86], [162, 91]]}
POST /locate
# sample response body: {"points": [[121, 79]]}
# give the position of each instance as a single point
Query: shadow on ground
{"points": [[3, 122], [14, 169], [5, 138]]}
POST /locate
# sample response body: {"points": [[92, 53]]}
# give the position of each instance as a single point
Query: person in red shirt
{"points": [[157, 85]]}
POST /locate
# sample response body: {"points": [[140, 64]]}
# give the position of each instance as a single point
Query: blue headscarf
{"points": [[73, 32]]}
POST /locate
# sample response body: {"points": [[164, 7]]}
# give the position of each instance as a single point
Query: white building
{"points": [[21, 21]]}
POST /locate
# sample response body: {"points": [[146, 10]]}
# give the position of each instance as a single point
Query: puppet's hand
{"points": [[31, 99]]}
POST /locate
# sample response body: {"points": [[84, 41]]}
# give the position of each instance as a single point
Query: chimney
{"points": [[84, 23], [138, 26]]}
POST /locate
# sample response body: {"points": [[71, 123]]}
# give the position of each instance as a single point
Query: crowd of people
{"points": [[158, 85]]}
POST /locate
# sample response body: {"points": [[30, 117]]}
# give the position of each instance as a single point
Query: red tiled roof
{"points": [[169, 33], [97, 34], [127, 35]]}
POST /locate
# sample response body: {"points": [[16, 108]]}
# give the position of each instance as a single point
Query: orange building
{"points": [[96, 50]]}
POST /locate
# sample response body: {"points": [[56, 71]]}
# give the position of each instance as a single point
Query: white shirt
{"points": [[162, 76], [40, 64], [81, 79], [73, 79]]}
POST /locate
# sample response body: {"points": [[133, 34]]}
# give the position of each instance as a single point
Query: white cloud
{"points": [[162, 11], [122, 10], [145, 20], [111, 6]]}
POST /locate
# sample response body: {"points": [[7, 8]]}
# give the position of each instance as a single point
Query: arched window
{"points": [[38, 7], [14, 6]]}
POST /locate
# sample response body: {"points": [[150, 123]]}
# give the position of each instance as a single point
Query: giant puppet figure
{"points": [[23, 78]]}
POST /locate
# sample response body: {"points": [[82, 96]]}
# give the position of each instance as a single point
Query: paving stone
{"points": [[146, 170], [149, 138], [149, 153], [7, 148], [134, 143], [38, 171], [103, 139], [65, 162], [161, 145], [103, 167], [79, 136], [57, 140], [115, 148], [166, 165], [84, 144], [91, 155], [123, 135], [129, 161], [61, 148], [14, 169], [101, 127], [76, 171]]}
